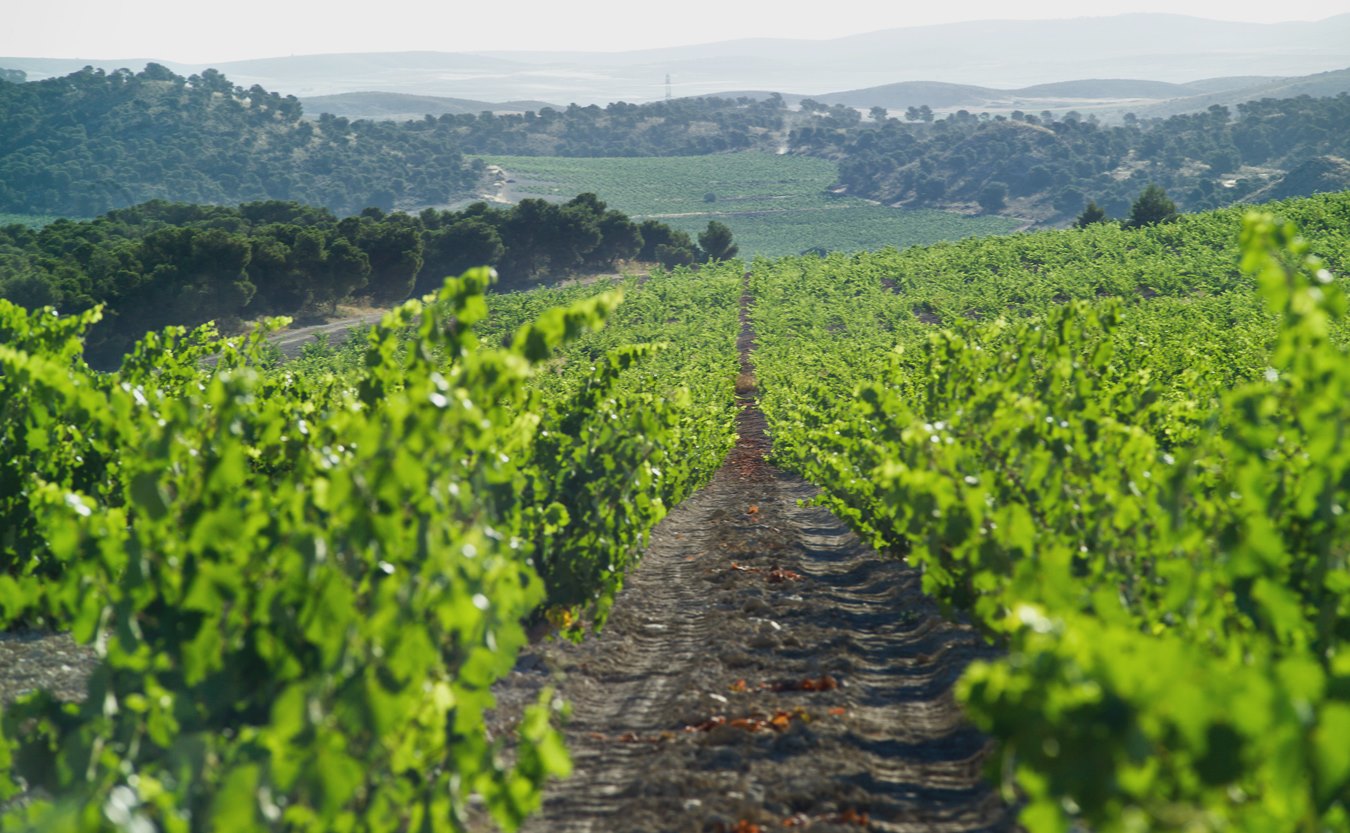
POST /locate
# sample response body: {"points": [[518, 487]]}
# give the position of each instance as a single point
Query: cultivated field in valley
{"points": [[775, 204]]}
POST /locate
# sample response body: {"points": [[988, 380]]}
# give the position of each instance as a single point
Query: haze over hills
{"points": [[402, 106], [1319, 84], [1106, 97], [995, 54]]}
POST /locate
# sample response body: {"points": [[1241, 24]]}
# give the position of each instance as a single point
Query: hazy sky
{"points": [[197, 32]]}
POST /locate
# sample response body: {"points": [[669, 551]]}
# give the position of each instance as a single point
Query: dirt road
{"points": [[763, 669], [292, 342]]}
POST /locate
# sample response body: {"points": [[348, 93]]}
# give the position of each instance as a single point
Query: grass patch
{"points": [[775, 205]]}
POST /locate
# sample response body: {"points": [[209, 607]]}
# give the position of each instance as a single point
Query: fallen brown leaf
{"points": [[825, 682], [778, 574]]}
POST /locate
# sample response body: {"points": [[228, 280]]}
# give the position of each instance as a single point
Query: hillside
{"points": [[904, 94], [775, 204], [1122, 455], [1058, 95], [1046, 169], [1233, 82], [1318, 85], [1102, 88], [1001, 54], [404, 107], [1108, 98], [1321, 175], [94, 141]]}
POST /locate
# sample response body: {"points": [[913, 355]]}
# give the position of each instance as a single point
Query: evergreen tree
{"points": [[1092, 213], [993, 197], [1152, 207], [715, 241]]}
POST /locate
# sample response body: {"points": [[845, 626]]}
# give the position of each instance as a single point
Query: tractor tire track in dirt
{"points": [[764, 669]]}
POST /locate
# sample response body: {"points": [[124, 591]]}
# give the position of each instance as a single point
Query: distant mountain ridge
{"points": [[1318, 85], [997, 54], [1110, 96], [402, 106]]}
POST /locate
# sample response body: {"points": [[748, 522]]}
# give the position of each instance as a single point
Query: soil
{"points": [[763, 669], [31, 660], [292, 342]]}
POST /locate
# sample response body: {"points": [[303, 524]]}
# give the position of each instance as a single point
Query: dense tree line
{"points": [[164, 263], [680, 127], [94, 141], [1056, 165]]}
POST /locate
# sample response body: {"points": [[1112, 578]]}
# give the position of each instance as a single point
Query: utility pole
{"points": [[667, 86]]}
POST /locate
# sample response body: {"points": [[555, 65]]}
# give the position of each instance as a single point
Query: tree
{"points": [[1152, 207], [1092, 213], [656, 233], [922, 113], [930, 188], [716, 242], [671, 256], [192, 276], [346, 269], [453, 249], [394, 249], [620, 239], [878, 114], [157, 72], [993, 197], [665, 245]]}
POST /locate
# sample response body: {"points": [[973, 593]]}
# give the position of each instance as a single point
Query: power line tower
{"points": [[667, 86]]}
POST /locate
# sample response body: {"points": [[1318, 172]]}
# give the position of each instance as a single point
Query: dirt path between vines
{"points": [[763, 670]]}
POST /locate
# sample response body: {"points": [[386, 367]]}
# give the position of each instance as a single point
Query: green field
{"points": [[775, 205]]}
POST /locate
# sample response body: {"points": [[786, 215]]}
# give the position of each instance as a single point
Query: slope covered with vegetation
{"points": [[775, 204], [1123, 454], [93, 141], [1048, 168]]}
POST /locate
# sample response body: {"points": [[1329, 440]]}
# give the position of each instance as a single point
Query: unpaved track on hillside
{"points": [[292, 342], [742, 597]]}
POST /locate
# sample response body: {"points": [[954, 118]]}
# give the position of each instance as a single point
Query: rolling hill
{"points": [[1109, 98], [1016, 53], [1317, 85], [401, 106]]}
